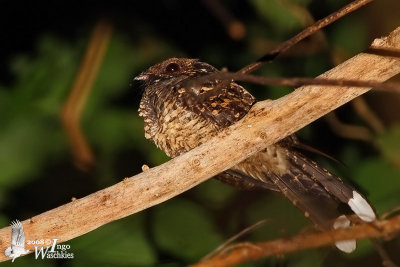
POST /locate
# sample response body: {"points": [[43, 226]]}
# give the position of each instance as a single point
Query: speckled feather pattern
{"points": [[180, 114], [175, 125]]}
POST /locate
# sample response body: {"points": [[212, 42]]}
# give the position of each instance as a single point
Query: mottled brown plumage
{"points": [[180, 114]]}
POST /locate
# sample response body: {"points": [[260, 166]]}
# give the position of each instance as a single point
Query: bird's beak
{"points": [[142, 77]]}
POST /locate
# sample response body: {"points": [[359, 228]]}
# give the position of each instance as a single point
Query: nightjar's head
{"points": [[184, 103], [174, 70]]}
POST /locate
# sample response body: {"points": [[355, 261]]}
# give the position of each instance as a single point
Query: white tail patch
{"points": [[347, 246], [361, 207]]}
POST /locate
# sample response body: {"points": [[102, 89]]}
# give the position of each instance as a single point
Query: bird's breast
{"points": [[180, 130]]}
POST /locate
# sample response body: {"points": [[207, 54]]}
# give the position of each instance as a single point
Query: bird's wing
{"points": [[243, 181], [274, 164], [8, 252], [337, 188], [17, 234], [222, 102], [322, 196]]}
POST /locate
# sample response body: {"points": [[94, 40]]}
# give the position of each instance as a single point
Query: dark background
{"points": [[42, 46]]}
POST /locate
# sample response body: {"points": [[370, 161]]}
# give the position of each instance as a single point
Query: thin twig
{"points": [[365, 112], [349, 131], [75, 103], [239, 254], [235, 237], [390, 212], [294, 82], [304, 34], [386, 260]]}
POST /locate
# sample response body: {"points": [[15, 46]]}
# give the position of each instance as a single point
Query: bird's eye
{"points": [[172, 67]]}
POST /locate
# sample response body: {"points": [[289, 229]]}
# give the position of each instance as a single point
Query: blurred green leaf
{"points": [[24, 149], [185, 229], [349, 34], [284, 219], [382, 180], [282, 14], [118, 243], [389, 143], [214, 193], [31, 128]]}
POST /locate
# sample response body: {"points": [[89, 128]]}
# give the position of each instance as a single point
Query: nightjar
{"points": [[179, 116]]}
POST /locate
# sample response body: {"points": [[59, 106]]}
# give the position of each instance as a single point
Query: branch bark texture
{"points": [[267, 122]]}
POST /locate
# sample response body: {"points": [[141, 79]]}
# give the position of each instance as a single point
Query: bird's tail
{"points": [[323, 197]]}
